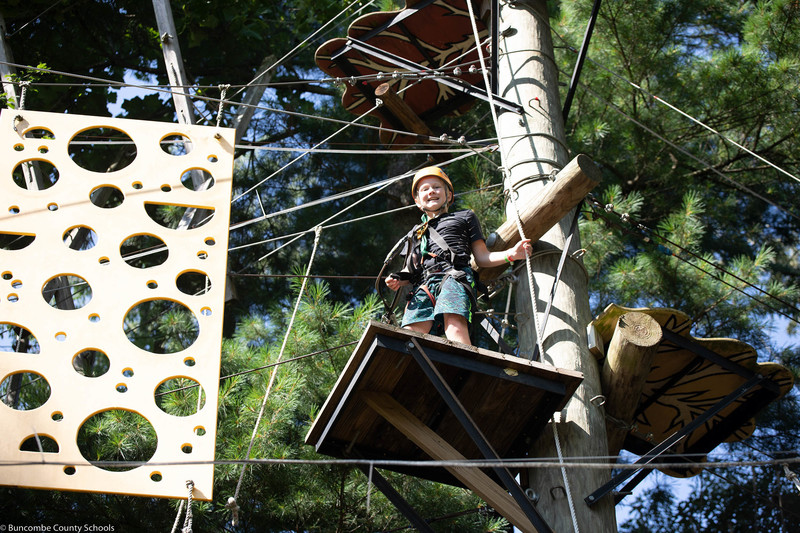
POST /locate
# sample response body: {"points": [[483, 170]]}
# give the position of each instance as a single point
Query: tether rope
{"points": [[274, 373]]}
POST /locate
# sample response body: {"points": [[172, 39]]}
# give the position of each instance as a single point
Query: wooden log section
{"points": [[627, 365], [424, 437], [571, 185], [400, 109]]}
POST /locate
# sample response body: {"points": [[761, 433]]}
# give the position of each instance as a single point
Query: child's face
{"points": [[432, 194]]}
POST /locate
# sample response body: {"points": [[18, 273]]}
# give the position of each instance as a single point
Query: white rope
{"points": [[223, 89], [187, 523], [23, 86], [318, 232], [529, 268], [177, 518], [369, 486], [564, 476]]}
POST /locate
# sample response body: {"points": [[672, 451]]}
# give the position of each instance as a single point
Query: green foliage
{"points": [[732, 65]]}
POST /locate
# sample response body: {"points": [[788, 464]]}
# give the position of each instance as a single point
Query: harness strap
{"points": [[441, 243], [425, 288]]}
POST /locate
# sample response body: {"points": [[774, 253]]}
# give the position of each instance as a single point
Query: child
{"points": [[438, 260]]}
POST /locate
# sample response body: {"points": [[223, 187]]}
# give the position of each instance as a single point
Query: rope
{"points": [[369, 485], [177, 518], [222, 90], [564, 476], [187, 522], [318, 232], [528, 266], [23, 85]]}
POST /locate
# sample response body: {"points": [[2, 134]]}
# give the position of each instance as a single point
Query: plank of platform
{"points": [[480, 483]]}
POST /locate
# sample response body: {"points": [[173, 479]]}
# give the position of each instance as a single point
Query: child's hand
{"points": [[520, 250], [394, 282]]}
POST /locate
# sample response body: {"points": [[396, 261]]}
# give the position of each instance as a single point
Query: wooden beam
{"points": [[424, 437], [400, 109], [571, 185], [627, 365]]}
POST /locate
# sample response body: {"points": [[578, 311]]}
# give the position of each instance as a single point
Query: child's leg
{"points": [[456, 328], [421, 327]]}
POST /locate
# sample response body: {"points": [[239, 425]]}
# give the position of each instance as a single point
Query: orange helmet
{"points": [[431, 172]]}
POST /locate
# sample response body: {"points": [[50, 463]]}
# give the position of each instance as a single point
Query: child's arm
{"points": [[484, 258]]}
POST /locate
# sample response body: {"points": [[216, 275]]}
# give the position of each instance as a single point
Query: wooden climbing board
{"points": [[98, 235]]}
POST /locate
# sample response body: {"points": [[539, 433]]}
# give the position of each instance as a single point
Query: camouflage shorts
{"points": [[451, 297]]}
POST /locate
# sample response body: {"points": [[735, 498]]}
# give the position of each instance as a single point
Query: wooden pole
{"points": [[532, 146], [6, 70], [174, 61], [627, 364], [253, 97], [557, 200]]}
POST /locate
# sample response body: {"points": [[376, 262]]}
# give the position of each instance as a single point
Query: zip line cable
{"points": [[687, 115], [227, 103], [296, 235], [337, 224], [378, 184], [600, 210], [305, 41], [366, 126], [352, 122], [765, 501], [34, 19], [684, 151], [667, 104], [577, 463]]}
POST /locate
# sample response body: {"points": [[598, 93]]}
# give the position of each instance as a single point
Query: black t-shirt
{"points": [[459, 230]]}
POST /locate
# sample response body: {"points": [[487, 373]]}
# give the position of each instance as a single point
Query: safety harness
{"points": [[416, 250]]}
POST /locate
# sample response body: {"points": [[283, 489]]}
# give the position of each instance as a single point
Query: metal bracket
{"points": [[400, 62]]}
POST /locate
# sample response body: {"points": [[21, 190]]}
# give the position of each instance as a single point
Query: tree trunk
{"points": [[532, 146]]}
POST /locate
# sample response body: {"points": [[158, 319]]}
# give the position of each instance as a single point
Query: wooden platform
{"points": [[508, 398]]}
